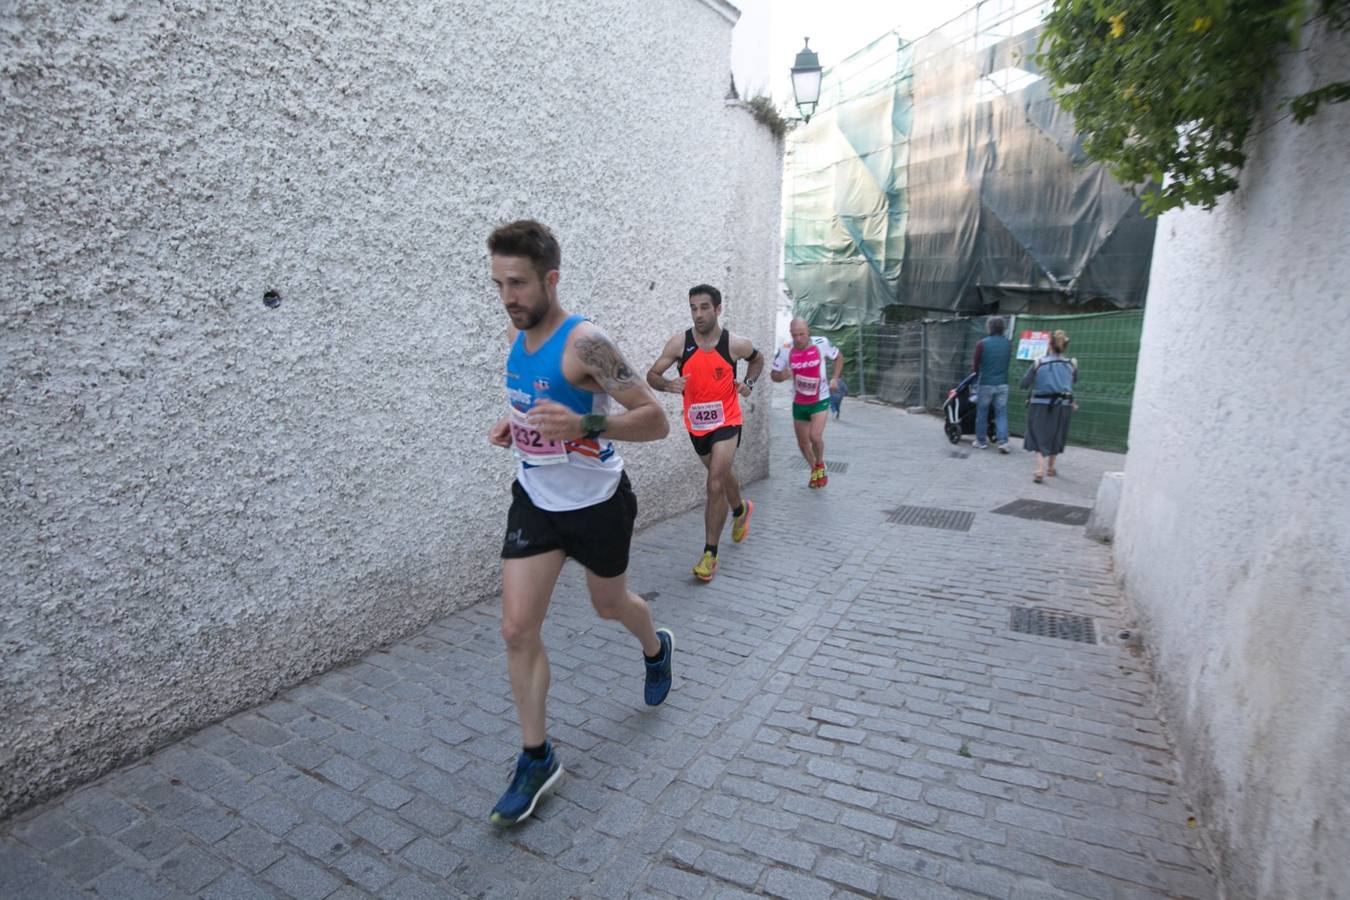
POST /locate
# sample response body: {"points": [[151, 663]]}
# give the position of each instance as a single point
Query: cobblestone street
{"points": [[852, 713]]}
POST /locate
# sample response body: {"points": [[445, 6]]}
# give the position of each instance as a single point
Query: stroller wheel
{"points": [[953, 433]]}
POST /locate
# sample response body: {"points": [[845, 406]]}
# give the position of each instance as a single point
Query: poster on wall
{"points": [[1033, 345]]}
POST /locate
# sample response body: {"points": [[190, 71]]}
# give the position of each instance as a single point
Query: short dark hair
{"points": [[530, 239], [711, 291], [996, 325]]}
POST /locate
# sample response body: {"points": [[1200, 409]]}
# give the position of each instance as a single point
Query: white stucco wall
{"points": [[1233, 538], [205, 499]]}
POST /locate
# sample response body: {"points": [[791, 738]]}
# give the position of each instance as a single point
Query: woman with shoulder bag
{"points": [[1050, 404]]}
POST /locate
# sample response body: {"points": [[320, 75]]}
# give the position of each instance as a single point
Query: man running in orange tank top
{"points": [[706, 357]]}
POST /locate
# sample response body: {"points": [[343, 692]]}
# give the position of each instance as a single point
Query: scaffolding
{"points": [[939, 174]]}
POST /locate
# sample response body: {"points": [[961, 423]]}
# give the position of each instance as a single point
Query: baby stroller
{"points": [[837, 397], [959, 411]]}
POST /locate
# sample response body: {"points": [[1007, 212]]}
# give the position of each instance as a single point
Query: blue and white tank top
{"points": [[558, 475]]}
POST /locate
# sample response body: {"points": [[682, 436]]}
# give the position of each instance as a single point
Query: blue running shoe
{"points": [[658, 673], [533, 777]]}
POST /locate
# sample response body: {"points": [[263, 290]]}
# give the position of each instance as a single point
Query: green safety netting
{"points": [[939, 174]]}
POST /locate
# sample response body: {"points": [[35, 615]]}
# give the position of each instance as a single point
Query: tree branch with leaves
{"points": [[1165, 93]]}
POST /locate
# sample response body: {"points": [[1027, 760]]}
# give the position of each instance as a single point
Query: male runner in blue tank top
{"points": [[571, 496]]}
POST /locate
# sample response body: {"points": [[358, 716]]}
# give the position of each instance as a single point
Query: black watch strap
{"points": [[592, 424]]}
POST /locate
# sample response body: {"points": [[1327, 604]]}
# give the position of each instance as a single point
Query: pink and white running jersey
{"points": [[810, 383]]}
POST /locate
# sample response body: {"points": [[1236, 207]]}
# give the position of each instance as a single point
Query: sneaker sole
{"points": [[529, 810], [706, 578], [749, 509], [670, 634]]}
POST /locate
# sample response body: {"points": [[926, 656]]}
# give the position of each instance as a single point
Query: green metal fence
{"points": [[1106, 346], [915, 364]]}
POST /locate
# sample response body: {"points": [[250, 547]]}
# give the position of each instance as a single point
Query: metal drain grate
{"points": [[1059, 513], [838, 468], [931, 517], [1052, 624]]}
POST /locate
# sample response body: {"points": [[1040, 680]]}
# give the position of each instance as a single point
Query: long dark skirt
{"points": [[1047, 428]]}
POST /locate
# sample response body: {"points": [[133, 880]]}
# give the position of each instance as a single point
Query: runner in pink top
{"points": [[803, 360]]}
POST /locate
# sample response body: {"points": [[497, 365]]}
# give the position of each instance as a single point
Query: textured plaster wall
{"points": [[1233, 537], [205, 499]]}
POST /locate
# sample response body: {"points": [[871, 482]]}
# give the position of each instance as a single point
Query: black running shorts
{"points": [[596, 536], [703, 442]]}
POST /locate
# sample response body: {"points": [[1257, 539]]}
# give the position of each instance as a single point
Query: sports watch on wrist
{"points": [[748, 382], [592, 424]]}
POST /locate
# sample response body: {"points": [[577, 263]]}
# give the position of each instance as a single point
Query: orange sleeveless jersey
{"points": [[710, 398]]}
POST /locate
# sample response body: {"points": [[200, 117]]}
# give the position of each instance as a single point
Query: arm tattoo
{"points": [[606, 362]]}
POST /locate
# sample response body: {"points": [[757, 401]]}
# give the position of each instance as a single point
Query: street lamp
{"points": [[806, 80]]}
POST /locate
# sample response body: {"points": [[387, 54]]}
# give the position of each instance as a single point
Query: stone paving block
{"points": [[235, 885], [979, 785], [687, 885], [749, 789], [432, 857], [339, 806], [978, 881], [1011, 860], [932, 841], [166, 800], [851, 796], [22, 875], [191, 869], [318, 841], [365, 870], [849, 873], [1127, 868], [124, 884], [257, 730], [151, 839], [622, 814], [385, 834], [291, 783], [427, 817], [411, 887], [1083, 883], [300, 879], [233, 792], [254, 760], [1025, 817], [836, 837], [866, 822], [387, 794], [792, 886], [47, 832], [719, 829], [955, 800], [274, 816], [250, 848], [209, 824], [726, 867], [589, 851], [833, 771], [191, 765], [345, 773], [977, 829], [792, 779], [798, 854], [102, 812], [810, 806], [304, 753], [85, 859]]}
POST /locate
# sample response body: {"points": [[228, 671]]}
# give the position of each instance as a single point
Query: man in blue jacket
{"points": [[992, 355]]}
